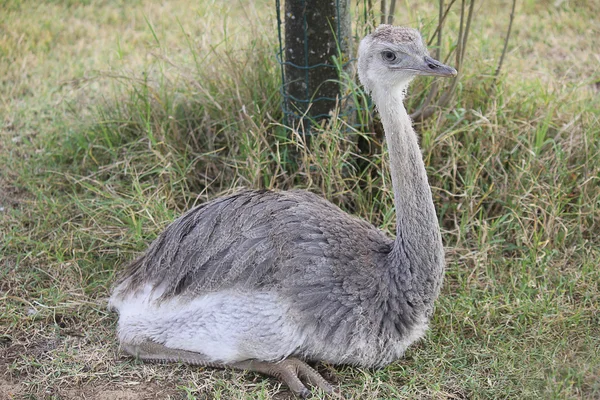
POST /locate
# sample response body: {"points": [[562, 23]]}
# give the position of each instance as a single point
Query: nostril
{"points": [[432, 66]]}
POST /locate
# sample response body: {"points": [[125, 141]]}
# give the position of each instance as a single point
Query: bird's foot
{"points": [[292, 372]]}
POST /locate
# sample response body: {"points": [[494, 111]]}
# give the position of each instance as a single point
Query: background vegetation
{"points": [[117, 116]]}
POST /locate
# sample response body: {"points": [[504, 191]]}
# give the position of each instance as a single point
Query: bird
{"points": [[267, 281]]}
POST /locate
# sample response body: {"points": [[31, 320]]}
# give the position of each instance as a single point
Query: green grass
{"points": [[119, 116]]}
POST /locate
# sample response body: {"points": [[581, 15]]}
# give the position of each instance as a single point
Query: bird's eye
{"points": [[388, 55]]}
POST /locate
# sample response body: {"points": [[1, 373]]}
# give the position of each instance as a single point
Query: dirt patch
{"points": [[137, 392], [34, 349], [10, 390], [74, 367], [10, 196]]}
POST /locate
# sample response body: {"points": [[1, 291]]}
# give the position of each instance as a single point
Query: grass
{"points": [[118, 116]]}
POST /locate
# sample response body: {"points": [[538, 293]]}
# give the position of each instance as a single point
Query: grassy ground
{"points": [[117, 116]]}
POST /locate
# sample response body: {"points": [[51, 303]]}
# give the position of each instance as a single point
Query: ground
{"points": [[117, 116]]}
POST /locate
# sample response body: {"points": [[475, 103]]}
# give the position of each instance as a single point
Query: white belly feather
{"points": [[226, 326]]}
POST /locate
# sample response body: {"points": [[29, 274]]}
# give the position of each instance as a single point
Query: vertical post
{"points": [[313, 31]]}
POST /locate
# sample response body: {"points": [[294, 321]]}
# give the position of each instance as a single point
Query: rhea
{"points": [[265, 281]]}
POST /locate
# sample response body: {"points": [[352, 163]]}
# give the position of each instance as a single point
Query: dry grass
{"points": [[118, 116]]}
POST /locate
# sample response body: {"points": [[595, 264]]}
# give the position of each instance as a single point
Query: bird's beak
{"points": [[433, 67]]}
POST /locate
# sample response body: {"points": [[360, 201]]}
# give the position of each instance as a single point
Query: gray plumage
{"points": [[271, 275]]}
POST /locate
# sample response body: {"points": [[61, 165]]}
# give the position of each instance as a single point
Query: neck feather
{"points": [[418, 247]]}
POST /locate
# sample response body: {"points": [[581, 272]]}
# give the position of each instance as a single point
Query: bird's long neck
{"points": [[418, 251]]}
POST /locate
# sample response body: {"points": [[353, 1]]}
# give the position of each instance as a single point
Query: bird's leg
{"points": [[152, 351], [290, 371]]}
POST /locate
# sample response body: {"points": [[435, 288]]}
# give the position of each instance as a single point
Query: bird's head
{"points": [[391, 56]]}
